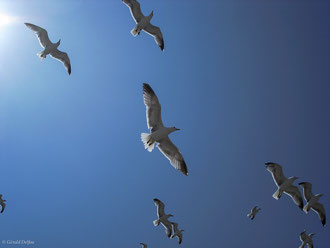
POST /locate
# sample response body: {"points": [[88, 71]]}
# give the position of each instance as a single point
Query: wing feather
{"points": [[153, 108], [319, 209], [277, 172], [294, 193], [41, 34], [160, 207], [172, 153], [155, 32], [63, 57], [135, 9], [307, 189]]}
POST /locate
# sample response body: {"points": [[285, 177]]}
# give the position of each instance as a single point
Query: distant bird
{"points": [[143, 23], [159, 133], [176, 232], [306, 240], [312, 201], [284, 184], [143, 245], [49, 47], [162, 217], [2, 203], [253, 212]]}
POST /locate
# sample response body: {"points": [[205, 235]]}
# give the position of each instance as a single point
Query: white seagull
{"points": [[2, 203], [176, 232], [162, 217], [306, 240], [159, 133], [143, 245], [143, 23], [312, 201], [49, 47], [253, 212], [284, 184]]}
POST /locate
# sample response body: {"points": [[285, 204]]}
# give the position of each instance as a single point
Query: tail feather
{"points": [[135, 31], [147, 141], [156, 222], [42, 55], [277, 194]]}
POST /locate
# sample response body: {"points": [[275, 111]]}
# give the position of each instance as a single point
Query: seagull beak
{"points": [[177, 129]]}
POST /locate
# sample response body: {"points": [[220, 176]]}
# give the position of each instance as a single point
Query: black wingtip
{"points": [[301, 183], [323, 222], [156, 199], [147, 89]]}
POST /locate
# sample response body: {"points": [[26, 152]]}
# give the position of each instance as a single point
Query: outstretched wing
{"points": [[175, 227], [3, 205], [303, 236], [134, 7], [319, 209], [180, 237], [168, 227], [276, 171], [172, 153], [63, 57], [307, 188], [153, 108], [143, 245], [160, 207], [156, 33], [41, 34], [295, 194]]}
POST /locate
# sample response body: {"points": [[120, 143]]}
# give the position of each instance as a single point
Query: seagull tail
{"points": [[135, 31], [147, 141], [156, 222], [277, 194], [42, 55]]}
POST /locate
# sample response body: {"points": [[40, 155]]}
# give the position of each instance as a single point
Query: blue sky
{"points": [[245, 81]]}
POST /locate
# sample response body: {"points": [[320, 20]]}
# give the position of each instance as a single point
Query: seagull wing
{"points": [[180, 237], [160, 207], [3, 205], [319, 209], [153, 108], [307, 189], [168, 227], [143, 245], [173, 154], [277, 172], [175, 227], [63, 57], [303, 236], [310, 244], [156, 33], [41, 34], [295, 194], [134, 7]]}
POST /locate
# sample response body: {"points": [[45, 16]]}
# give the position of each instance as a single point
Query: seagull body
{"points": [[306, 240], [143, 23], [143, 245], [2, 203], [159, 133], [253, 212], [284, 184], [176, 232], [162, 217], [49, 47], [313, 201]]}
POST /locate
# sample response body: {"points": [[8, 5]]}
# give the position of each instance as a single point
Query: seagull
{"points": [[162, 217], [306, 239], [312, 201], [253, 212], [49, 47], [143, 245], [2, 203], [177, 232], [159, 133], [143, 23], [284, 184]]}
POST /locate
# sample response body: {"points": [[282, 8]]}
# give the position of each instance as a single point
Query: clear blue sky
{"points": [[246, 81]]}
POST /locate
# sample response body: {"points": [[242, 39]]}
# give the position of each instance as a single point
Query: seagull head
{"points": [[176, 129]]}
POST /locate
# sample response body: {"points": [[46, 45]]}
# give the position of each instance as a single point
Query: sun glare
{"points": [[6, 19]]}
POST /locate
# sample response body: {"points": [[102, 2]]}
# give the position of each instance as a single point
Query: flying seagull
{"points": [[143, 245], [162, 217], [159, 133], [49, 47], [143, 23], [253, 212], [176, 232], [312, 201], [2, 203], [306, 239], [284, 184]]}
